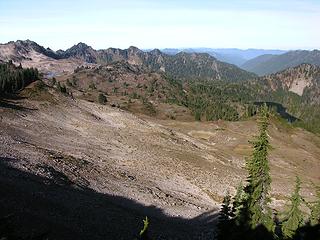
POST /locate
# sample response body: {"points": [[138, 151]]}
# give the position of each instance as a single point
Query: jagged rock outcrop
{"points": [[80, 51]]}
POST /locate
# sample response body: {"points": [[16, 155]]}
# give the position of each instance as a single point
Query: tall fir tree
{"points": [[259, 180], [238, 206], [225, 217], [315, 209], [294, 217]]}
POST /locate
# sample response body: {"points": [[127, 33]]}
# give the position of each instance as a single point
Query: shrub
{"points": [[61, 87], [92, 86], [102, 99]]}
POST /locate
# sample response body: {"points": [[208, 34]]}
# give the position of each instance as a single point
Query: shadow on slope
{"points": [[57, 208], [9, 101], [34, 207]]}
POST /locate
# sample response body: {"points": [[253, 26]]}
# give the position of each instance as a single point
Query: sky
{"points": [[265, 24]]}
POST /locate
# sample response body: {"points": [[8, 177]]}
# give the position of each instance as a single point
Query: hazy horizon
{"points": [[163, 48], [268, 25]]}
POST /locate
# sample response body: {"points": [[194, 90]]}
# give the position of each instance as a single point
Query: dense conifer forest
{"points": [[13, 78]]}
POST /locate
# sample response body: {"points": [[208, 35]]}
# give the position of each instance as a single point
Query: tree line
{"points": [[218, 100]]}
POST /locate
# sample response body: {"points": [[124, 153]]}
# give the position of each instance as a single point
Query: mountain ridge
{"points": [[267, 64], [183, 65], [230, 55]]}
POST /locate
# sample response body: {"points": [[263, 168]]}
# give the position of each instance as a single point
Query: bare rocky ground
{"points": [[75, 168]]}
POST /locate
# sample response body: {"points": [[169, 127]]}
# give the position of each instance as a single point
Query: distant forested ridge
{"points": [[267, 64]]}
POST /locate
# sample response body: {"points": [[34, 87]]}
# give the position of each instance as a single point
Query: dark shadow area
{"points": [[231, 231], [34, 207], [308, 232], [13, 105], [11, 96], [54, 207], [281, 110], [232, 228], [9, 101]]}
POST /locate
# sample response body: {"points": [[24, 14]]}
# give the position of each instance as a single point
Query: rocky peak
{"points": [[25, 46], [28, 45], [156, 52], [81, 51], [81, 46], [134, 49], [78, 48]]}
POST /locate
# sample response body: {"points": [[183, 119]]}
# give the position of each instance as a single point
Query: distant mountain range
{"points": [[185, 63], [181, 64], [267, 64], [187, 66], [259, 61], [230, 55]]}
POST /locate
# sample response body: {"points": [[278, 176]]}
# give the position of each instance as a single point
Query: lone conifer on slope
{"points": [[294, 218], [225, 217], [259, 180], [315, 209], [237, 205]]}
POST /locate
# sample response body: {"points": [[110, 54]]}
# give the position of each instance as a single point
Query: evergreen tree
{"points": [[102, 99], [315, 209], [259, 180], [237, 206], [61, 87], [294, 217], [225, 217]]}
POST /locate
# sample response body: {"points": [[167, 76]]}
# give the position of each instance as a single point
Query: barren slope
{"points": [[181, 168]]}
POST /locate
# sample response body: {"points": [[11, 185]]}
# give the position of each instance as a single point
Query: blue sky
{"points": [[268, 24]]}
